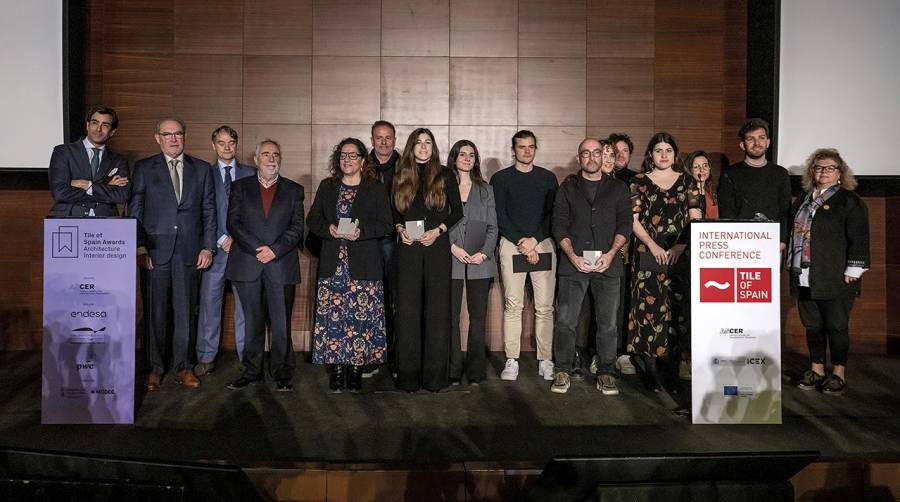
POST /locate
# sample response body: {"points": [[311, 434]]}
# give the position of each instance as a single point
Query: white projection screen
{"points": [[839, 83], [31, 82]]}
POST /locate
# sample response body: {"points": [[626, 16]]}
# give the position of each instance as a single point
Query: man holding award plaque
{"points": [[591, 222]]}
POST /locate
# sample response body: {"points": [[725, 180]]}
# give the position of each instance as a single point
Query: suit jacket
{"points": [[69, 162], [479, 207], [282, 231], [167, 228], [592, 225], [240, 171], [372, 207]]}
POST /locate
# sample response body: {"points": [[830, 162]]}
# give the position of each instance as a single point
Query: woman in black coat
{"points": [[827, 254], [350, 213]]}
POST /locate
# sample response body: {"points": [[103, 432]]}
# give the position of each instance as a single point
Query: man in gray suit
{"points": [[212, 282], [86, 177]]}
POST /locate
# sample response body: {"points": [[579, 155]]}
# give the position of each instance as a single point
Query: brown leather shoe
{"points": [[152, 383], [187, 378]]}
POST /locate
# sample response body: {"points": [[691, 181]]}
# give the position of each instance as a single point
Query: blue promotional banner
{"points": [[89, 321]]}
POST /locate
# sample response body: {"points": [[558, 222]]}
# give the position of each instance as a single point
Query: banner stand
{"points": [[735, 322], [89, 321]]}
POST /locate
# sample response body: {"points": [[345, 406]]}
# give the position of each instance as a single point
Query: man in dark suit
{"points": [[174, 201], [86, 177], [212, 282], [265, 219]]}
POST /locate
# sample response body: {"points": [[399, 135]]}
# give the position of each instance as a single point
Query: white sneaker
{"points": [[595, 364], [510, 370], [623, 364], [545, 369]]}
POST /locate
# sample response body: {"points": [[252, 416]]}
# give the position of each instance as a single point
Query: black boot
{"points": [[354, 380], [336, 383]]}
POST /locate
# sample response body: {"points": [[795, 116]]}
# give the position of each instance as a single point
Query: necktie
{"points": [[227, 181], [176, 179], [95, 163]]}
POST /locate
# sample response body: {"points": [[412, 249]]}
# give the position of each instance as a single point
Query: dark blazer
{"points": [[372, 207], [282, 231], [449, 215], [840, 239], [479, 207], [69, 162], [592, 225], [240, 171], [168, 228]]}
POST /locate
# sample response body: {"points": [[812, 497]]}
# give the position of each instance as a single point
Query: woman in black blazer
{"points": [[349, 329], [426, 199], [827, 254]]}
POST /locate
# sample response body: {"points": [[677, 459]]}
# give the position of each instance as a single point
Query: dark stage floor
{"points": [[497, 421]]}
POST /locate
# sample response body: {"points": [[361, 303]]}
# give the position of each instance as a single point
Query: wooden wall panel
{"points": [[295, 148], [557, 148], [208, 88], [619, 92], [346, 90], [483, 91], [441, 136], [324, 139], [138, 86], [139, 26], [552, 28], [415, 28], [494, 145], [734, 95], [278, 27], [347, 27], [415, 90], [209, 27], [277, 89], [484, 29], [620, 28], [552, 91]]}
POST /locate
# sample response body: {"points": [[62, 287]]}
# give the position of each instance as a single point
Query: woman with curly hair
{"points": [[349, 329]]}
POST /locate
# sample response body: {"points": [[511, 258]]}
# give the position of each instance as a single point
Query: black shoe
{"points": [[242, 382], [284, 385], [336, 381], [354, 379], [811, 380]]}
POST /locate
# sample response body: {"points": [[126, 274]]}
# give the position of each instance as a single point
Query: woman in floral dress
{"points": [[664, 199], [349, 329]]}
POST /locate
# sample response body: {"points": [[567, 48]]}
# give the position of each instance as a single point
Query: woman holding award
{"points": [[472, 242], [350, 212], [426, 205]]}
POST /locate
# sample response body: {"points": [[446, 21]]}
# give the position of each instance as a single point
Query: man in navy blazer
{"points": [[212, 281], [174, 202], [86, 177], [265, 219]]}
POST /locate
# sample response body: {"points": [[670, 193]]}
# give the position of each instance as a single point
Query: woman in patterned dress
{"points": [[664, 199], [349, 329]]}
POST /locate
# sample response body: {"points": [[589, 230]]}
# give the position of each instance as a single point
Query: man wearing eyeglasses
{"points": [[591, 222], [756, 187], [265, 218], [174, 202]]}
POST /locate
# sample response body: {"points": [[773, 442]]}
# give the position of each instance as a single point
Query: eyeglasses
{"points": [[586, 154], [825, 169], [167, 135], [349, 156], [702, 167]]}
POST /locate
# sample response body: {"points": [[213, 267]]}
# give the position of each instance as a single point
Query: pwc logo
{"points": [[717, 285], [742, 285]]}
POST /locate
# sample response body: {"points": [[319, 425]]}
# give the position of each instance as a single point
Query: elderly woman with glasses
{"points": [[827, 254]]}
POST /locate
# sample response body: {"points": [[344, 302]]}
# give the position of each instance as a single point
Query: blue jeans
{"points": [[569, 296]]}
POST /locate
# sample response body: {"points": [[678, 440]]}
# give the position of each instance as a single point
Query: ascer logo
{"points": [[717, 285]]}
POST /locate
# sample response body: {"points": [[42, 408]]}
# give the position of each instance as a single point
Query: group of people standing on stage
{"points": [[400, 238]]}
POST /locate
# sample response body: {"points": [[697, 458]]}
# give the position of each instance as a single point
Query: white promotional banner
{"points": [[89, 313], [735, 323]]}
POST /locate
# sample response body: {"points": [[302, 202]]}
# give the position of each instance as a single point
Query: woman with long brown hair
{"points": [[426, 205]]}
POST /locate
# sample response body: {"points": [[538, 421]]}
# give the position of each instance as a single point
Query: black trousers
{"points": [[422, 322], [474, 362], [170, 300], [826, 323], [387, 246], [569, 300], [267, 302]]}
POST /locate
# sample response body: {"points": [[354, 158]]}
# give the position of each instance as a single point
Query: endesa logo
{"points": [[742, 285]]}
